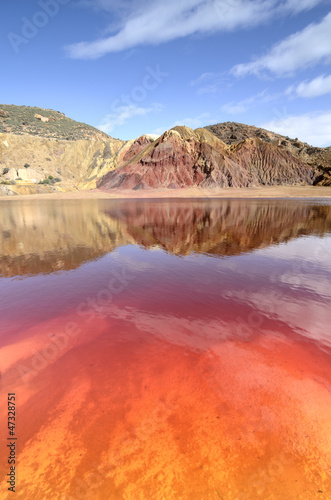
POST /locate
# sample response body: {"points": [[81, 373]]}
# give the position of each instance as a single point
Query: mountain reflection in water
{"points": [[51, 237], [164, 350]]}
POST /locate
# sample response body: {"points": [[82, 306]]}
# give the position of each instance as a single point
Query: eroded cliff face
{"points": [[27, 161], [44, 238], [44, 151], [76, 163], [136, 147], [182, 158], [269, 164], [319, 159]]}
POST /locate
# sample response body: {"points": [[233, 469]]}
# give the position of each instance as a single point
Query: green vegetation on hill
{"points": [[47, 123]]}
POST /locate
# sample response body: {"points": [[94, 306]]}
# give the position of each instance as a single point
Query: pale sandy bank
{"points": [[260, 192]]}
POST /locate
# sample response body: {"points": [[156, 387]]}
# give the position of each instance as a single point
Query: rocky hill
{"points": [[232, 133], [319, 158], [182, 157], [44, 151], [36, 164], [22, 120]]}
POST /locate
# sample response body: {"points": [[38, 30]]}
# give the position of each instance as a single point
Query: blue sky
{"points": [[132, 67]]}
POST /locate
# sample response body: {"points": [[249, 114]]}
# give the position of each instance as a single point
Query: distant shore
{"points": [[260, 192]]}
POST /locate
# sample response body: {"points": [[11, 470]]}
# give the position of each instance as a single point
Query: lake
{"points": [[166, 349]]}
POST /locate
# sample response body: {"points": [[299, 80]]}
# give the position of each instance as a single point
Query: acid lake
{"points": [[166, 349]]}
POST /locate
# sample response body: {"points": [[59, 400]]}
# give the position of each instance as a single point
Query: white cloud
{"points": [[158, 21], [306, 316], [300, 50], [237, 107], [205, 77], [123, 114], [158, 131], [195, 122], [314, 128], [192, 122], [296, 7], [321, 85], [209, 83]]}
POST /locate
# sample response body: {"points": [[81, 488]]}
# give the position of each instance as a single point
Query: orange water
{"points": [[150, 372]]}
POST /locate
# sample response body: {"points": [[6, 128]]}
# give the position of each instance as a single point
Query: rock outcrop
{"points": [[24, 174], [182, 158], [3, 114], [44, 151], [44, 146], [319, 158], [33, 159], [269, 164], [137, 147], [41, 146]]}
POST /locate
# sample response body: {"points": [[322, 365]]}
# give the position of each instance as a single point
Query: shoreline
{"points": [[305, 192]]}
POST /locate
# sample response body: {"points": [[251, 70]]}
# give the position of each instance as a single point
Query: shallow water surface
{"points": [[167, 349]]}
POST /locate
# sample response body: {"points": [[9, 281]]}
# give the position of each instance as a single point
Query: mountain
{"points": [[44, 151], [318, 158], [232, 133], [182, 157], [21, 120]]}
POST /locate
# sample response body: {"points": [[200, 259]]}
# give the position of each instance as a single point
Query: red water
{"points": [[154, 373]]}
